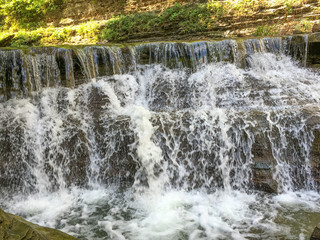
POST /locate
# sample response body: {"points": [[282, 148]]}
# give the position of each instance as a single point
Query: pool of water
{"points": [[108, 213]]}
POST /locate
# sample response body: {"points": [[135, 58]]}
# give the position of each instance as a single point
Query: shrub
{"points": [[189, 18], [217, 8], [304, 25], [26, 13], [89, 29], [265, 30], [61, 35], [23, 39], [121, 27], [183, 19]]}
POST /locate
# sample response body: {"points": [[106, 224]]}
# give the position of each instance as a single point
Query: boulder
{"points": [[16, 228], [315, 28], [316, 233]]}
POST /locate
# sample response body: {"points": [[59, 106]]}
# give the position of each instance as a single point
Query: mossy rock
{"points": [[314, 37], [16, 228], [5, 42]]}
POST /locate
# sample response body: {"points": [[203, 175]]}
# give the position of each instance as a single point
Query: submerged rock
{"points": [[15, 228]]}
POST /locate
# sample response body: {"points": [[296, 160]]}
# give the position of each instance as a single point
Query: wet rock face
{"points": [[298, 48], [262, 168], [112, 141], [11, 170], [315, 158], [264, 176], [16, 228], [313, 57], [314, 54], [90, 141], [24, 72], [264, 162]]}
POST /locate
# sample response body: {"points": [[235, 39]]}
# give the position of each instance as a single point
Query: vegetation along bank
{"points": [[66, 22]]}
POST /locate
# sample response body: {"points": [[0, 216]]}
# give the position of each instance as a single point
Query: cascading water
{"points": [[162, 141]]}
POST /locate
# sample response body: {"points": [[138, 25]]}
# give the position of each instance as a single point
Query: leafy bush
{"points": [[26, 13], [23, 39], [183, 19], [304, 25], [217, 7], [123, 26], [89, 30], [265, 30], [189, 18], [61, 35]]}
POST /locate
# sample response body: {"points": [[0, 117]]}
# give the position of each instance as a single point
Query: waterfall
{"points": [[162, 140]]}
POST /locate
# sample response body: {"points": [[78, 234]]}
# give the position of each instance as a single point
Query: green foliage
{"points": [[304, 25], [265, 30], [3, 35], [290, 4], [61, 35], [25, 13], [23, 39], [18, 16], [217, 8], [189, 18], [243, 7], [89, 30], [116, 29], [123, 26], [86, 32], [183, 19]]}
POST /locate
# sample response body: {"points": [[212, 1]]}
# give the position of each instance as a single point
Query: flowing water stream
{"points": [[162, 141]]}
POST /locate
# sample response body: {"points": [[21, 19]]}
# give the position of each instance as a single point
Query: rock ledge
{"points": [[16, 228]]}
